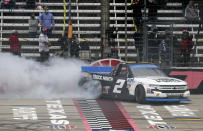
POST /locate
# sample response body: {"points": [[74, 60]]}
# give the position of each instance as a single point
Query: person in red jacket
{"points": [[186, 46], [15, 44]]}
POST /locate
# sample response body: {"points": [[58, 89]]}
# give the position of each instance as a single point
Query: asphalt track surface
{"points": [[99, 115]]}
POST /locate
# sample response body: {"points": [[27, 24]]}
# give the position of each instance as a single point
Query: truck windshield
{"points": [[145, 72]]}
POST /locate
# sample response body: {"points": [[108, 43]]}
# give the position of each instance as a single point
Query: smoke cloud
{"points": [[26, 78]]}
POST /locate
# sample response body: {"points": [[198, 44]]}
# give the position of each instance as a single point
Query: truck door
{"points": [[119, 83]]}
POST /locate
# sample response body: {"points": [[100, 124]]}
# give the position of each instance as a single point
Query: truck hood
{"points": [[156, 80]]}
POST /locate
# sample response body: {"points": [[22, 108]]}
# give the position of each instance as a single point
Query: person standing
{"points": [[15, 44], [8, 4], [153, 7], [200, 7], [137, 6], [46, 20], [33, 25], [44, 45], [74, 48], [191, 13], [186, 46]]}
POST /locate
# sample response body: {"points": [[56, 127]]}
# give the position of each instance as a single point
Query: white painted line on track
{"points": [[182, 112], [153, 118], [24, 113]]}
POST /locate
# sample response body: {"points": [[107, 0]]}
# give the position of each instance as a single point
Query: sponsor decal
{"points": [[100, 77], [118, 86], [174, 94], [161, 127], [181, 112], [149, 90], [106, 89], [57, 115], [129, 82], [152, 117], [24, 113], [167, 80], [106, 78], [192, 78], [61, 127]]}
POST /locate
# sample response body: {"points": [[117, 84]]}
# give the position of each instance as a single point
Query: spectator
{"points": [[33, 25], [163, 51], [44, 45], [64, 46], [63, 42], [137, 6], [6, 4], [153, 7], [191, 13], [15, 44], [200, 3], [172, 48], [31, 4], [74, 48], [186, 46], [46, 19], [38, 7]]}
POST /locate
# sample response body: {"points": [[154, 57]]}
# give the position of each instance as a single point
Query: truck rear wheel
{"points": [[140, 94], [93, 87]]}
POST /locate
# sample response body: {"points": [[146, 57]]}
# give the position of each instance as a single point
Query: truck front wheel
{"points": [[140, 94]]}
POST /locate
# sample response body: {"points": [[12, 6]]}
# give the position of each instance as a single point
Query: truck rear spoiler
{"points": [[97, 69]]}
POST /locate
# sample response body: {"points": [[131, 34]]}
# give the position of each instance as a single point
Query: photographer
{"points": [[186, 46]]}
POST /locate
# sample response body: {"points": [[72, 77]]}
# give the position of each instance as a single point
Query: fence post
{"points": [[126, 44], [171, 46], [145, 41], [1, 30], [105, 24]]}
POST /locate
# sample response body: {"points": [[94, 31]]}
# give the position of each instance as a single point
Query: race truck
{"points": [[140, 82]]}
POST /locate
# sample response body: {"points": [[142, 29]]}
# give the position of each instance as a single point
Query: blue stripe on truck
{"points": [[96, 69], [154, 99], [143, 66]]}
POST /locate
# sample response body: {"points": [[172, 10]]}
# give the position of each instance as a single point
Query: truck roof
{"points": [[108, 69], [133, 66]]}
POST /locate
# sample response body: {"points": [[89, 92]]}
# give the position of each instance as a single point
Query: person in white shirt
{"points": [[44, 45]]}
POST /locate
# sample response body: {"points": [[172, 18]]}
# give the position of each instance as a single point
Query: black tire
{"points": [[140, 95]]}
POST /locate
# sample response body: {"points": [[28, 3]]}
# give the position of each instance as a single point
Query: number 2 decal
{"points": [[119, 85]]}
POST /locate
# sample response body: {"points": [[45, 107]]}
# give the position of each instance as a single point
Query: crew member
{"points": [[15, 44], [44, 45]]}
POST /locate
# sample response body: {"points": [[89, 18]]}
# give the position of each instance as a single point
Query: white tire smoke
{"points": [[25, 78]]}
